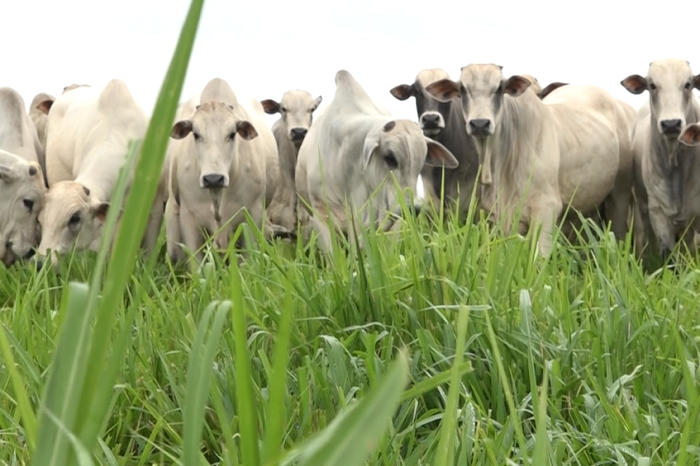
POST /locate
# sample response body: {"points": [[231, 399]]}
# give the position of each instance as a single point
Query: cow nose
{"points": [[480, 125], [431, 120], [298, 133], [30, 253], [39, 263], [213, 181], [671, 126]]}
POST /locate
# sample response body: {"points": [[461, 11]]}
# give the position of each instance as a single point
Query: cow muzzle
{"points": [[431, 123], [297, 134], [482, 127], [213, 181], [671, 128]]}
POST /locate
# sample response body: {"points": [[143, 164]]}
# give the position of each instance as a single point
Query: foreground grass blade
{"points": [[354, 434], [198, 380], [81, 351], [445, 451]]}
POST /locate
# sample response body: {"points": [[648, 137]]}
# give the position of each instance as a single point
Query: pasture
{"points": [[442, 343]]}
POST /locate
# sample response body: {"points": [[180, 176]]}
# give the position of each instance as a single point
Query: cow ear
{"points": [[444, 90], [44, 106], [690, 136], [317, 102], [403, 91], [181, 129], [516, 85], [550, 88], [270, 106], [8, 174], [99, 211], [439, 156], [635, 84], [696, 82], [371, 144], [246, 130]]}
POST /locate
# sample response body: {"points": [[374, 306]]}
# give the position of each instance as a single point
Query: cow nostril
{"points": [[671, 126], [39, 264], [213, 181], [30, 253], [298, 133]]}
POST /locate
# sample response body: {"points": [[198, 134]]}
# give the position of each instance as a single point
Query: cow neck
{"points": [[508, 155]]}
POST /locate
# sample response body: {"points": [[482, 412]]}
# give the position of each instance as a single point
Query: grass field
{"points": [[449, 345]]}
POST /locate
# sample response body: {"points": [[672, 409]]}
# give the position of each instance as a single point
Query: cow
{"points": [[537, 155], [666, 169], [356, 155], [223, 159], [39, 117], [18, 135], [90, 133], [22, 192], [296, 115], [444, 123]]}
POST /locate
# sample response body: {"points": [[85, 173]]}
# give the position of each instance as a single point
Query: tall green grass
{"points": [[445, 344]]}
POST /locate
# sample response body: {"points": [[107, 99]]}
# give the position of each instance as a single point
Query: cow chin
{"points": [[431, 132]]}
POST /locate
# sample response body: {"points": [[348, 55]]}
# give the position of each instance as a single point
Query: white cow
{"points": [[666, 171], [296, 115], [223, 159], [89, 135], [17, 132], [354, 154], [22, 192], [539, 155]]}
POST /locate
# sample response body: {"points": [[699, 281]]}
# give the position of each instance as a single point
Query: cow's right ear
{"points": [[635, 84], [44, 106], [696, 82], [99, 211], [516, 85], [690, 136], [270, 106], [181, 129], [444, 90], [403, 91], [550, 88]]}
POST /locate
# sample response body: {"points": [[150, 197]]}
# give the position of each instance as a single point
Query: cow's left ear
{"points": [[696, 82], [99, 211], [246, 130], [8, 174], [45, 105], [516, 85], [444, 90], [439, 156], [403, 91], [270, 106], [317, 102], [550, 88], [690, 136], [371, 144], [181, 129]]}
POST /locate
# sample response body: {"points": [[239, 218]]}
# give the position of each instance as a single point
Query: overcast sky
{"points": [[264, 48]]}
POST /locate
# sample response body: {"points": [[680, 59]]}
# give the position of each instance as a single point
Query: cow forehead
{"points": [[673, 70], [297, 100], [213, 112], [431, 75], [405, 132], [481, 75]]}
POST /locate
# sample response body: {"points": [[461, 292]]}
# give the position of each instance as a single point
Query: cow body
{"points": [[351, 158], [296, 115], [666, 169], [444, 122], [221, 171], [89, 136]]}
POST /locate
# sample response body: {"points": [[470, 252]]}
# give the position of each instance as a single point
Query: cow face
{"points": [[482, 89], [71, 219], [21, 198], [216, 131], [670, 84], [398, 151], [296, 110], [433, 114]]}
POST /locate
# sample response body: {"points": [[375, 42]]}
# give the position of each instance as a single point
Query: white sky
{"points": [[264, 48]]}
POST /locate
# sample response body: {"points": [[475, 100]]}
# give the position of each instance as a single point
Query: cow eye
{"points": [[687, 85], [197, 137], [74, 219], [283, 109], [29, 204], [231, 136], [391, 161], [652, 86]]}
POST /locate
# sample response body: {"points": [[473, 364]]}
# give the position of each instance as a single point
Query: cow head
{"points": [[670, 84], [397, 150], [296, 110], [433, 114], [216, 131], [21, 198], [482, 89], [72, 218]]}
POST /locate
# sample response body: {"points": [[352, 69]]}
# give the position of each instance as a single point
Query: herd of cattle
{"points": [[526, 154]]}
